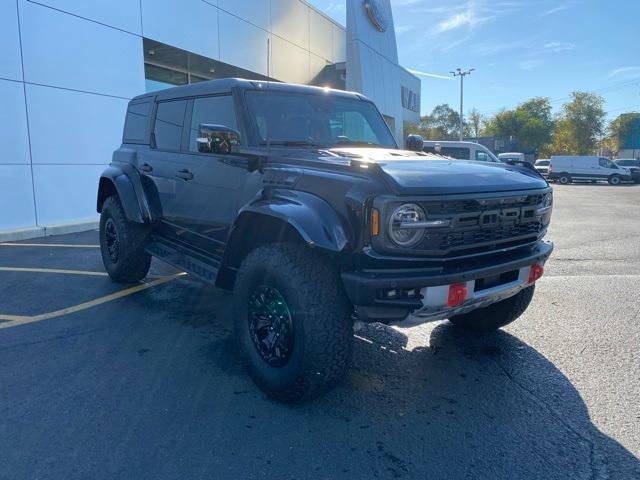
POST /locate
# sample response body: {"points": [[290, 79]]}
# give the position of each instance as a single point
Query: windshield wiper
{"points": [[291, 143]]}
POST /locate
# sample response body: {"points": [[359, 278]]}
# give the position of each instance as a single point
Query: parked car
{"points": [[513, 157], [566, 169], [633, 165], [542, 166], [299, 200], [460, 150]]}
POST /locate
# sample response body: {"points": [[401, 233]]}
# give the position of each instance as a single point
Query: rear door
{"points": [[208, 185]]}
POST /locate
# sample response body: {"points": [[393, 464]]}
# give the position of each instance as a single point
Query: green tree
{"points": [[442, 124], [618, 130], [530, 123], [476, 123], [580, 125]]}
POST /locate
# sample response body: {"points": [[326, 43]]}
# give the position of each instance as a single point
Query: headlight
{"points": [[547, 199], [402, 229]]}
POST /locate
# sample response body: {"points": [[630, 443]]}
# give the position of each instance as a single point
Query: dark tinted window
{"points": [[212, 110], [628, 163], [456, 152], [136, 122], [542, 163], [169, 124]]}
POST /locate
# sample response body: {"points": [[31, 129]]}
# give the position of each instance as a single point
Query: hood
{"points": [[414, 173]]}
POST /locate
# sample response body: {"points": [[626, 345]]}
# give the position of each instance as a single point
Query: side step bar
{"points": [[195, 264]]}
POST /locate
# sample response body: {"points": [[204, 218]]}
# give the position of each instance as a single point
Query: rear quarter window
{"points": [[136, 123]]}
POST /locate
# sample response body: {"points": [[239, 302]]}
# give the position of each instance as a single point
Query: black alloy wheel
{"points": [[112, 240], [270, 326]]}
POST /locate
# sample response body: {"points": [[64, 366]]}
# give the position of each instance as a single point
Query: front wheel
{"points": [[491, 318], [293, 321], [614, 180], [564, 179]]}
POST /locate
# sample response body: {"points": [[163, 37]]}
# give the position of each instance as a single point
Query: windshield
{"points": [[293, 119]]}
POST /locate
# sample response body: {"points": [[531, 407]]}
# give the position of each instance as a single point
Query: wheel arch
{"points": [[118, 180]]}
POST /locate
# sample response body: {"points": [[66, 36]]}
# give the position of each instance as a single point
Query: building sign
{"points": [[410, 100], [376, 14]]}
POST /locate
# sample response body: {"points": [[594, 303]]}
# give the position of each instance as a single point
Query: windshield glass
{"points": [[293, 119]]}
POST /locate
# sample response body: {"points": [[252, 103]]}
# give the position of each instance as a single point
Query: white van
{"points": [[461, 150], [566, 169], [515, 157]]}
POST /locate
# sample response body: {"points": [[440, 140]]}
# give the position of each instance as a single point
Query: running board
{"points": [[195, 264]]}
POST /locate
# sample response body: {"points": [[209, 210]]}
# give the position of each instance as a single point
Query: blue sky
{"points": [[519, 48]]}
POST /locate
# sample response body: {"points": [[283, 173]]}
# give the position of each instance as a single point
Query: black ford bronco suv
{"points": [[298, 199]]}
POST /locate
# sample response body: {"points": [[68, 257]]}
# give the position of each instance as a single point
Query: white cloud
{"points": [[553, 10], [468, 18], [431, 75], [559, 46], [625, 73]]}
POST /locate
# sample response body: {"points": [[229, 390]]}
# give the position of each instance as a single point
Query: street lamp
{"points": [[461, 73]]}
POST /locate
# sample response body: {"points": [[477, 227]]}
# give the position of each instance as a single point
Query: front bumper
{"points": [[364, 287]]}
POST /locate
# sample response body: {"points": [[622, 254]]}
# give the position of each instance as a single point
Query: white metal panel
{"points": [[253, 11], [13, 125], [243, 44], [316, 65], [66, 51], [122, 14], [187, 24], [16, 197], [290, 20], [70, 127], [320, 35], [339, 44], [66, 193], [10, 62], [289, 63]]}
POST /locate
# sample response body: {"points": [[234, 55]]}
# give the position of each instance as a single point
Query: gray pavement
{"points": [[148, 386]]}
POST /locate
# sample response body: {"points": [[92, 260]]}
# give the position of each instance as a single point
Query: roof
{"points": [[224, 85]]}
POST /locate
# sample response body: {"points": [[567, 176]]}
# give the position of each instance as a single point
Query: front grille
{"points": [[482, 225]]}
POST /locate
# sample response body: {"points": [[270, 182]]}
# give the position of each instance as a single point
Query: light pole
{"points": [[461, 73]]}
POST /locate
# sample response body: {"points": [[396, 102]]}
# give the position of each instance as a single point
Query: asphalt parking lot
{"points": [[104, 381]]}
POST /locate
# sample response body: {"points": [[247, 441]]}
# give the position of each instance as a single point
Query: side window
{"points": [[213, 110], [606, 163], [169, 124], [457, 152], [136, 122], [482, 156]]}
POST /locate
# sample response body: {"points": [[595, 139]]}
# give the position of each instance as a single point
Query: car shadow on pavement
{"points": [[152, 387]]}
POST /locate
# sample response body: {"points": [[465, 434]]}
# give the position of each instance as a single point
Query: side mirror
{"points": [[415, 143], [216, 138]]}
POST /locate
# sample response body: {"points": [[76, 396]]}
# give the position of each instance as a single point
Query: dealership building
{"points": [[69, 67]]}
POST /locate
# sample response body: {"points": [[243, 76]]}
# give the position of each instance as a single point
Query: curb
{"points": [[37, 232]]}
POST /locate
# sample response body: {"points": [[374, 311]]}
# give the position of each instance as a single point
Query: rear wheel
{"points": [[614, 180], [293, 321], [122, 244], [564, 178], [491, 318]]}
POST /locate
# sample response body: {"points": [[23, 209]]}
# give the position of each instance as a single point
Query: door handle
{"points": [[146, 167], [184, 174]]}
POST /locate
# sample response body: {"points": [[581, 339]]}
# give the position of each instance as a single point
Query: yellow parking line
{"points": [[13, 320], [53, 270], [56, 245]]}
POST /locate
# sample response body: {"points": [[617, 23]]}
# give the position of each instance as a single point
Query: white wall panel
{"points": [[339, 45], [10, 63], [123, 14], [16, 197], [243, 44], [290, 20], [289, 63], [316, 65], [13, 125], [69, 52], [70, 127], [187, 24], [66, 193], [254, 11], [320, 35]]}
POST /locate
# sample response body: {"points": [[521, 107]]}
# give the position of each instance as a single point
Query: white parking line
{"points": [[55, 245], [53, 270]]}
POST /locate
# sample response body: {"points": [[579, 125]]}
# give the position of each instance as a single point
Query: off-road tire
{"points": [[132, 262], [491, 318], [615, 180], [320, 314], [564, 179]]}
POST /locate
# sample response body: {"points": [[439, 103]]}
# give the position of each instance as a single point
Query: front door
{"points": [[208, 186]]}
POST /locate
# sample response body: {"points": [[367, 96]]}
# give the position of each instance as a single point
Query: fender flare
{"points": [[126, 182]]}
